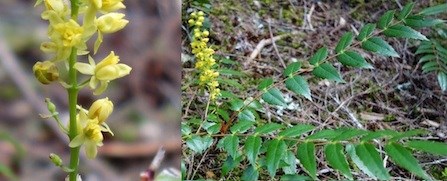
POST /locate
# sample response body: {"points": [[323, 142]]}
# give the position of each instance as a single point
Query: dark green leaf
{"points": [[344, 42], [349, 133], [230, 164], [231, 145], [250, 174], [442, 80], [296, 130], [421, 22], [246, 115], [325, 134], [413, 132], [185, 129], [402, 157], [379, 134], [385, 19], [402, 31], [298, 85], [327, 71], [336, 158], [251, 147], [306, 155], [265, 83], [268, 128], [274, 154], [211, 127], [241, 126], [292, 68], [320, 55], [427, 57], [434, 10], [366, 31], [405, 11], [199, 144], [274, 96], [437, 148], [353, 59], [378, 45], [371, 159], [236, 104], [295, 178], [430, 66], [230, 82]]}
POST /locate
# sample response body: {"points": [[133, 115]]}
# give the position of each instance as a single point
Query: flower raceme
{"points": [[103, 72]]}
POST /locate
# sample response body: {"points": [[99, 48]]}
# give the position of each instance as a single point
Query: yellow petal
{"points": [[90, 149], [84, 68], [77, 141]]}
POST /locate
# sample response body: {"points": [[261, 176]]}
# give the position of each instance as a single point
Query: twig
{"points": [[261, 45], [274, 44]]}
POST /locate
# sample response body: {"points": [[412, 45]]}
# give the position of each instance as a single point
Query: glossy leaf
{"points": [[434, 10], [298, 85], [292, 68], [268, 128], [410, 133], [402, 31], [349, 133], [336, 158], [295, 178], [252, 147], [274, 154], [246, 115], [385, 19], [437, 148], [320, 55], [274, 96], [421, 22], [378, 45], [327, 71], [296, 131], [366, 31], [402, 157], [344, 42], [370, 158], [306, 155], [353, 59], [199, 144], [405, 11], [325, 134], [231, 145], [241, 126]]}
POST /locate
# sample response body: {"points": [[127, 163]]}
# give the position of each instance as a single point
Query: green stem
{"points": [[72, 99]]}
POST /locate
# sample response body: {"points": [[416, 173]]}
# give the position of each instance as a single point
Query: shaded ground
{"points": [[395, 95]]}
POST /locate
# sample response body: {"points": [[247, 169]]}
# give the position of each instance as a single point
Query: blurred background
{"points": [[147, 102]]}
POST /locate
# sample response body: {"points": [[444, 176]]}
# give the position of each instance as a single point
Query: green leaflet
{"points": [[333, 152], [246, 115], [344, 42], [274, 96], [229, 82], [434, 10], [421, 22], [231, 72], [378, 45], [402, 31], [325, 134], [241, 126], [231, 145], [379, 134], [385, 19], [298, 85], [236, 104], [370, 161], [353, 59], [268, 128], [327, 71], [229, 164], [199, 144], [366, 31], [320, 55], [296, 131], [349, 133], [295, 178], [252, 147], [274, 154], [437, 148], [265, 83], [292, 68], [250, 174], [290, 159], [306, 155], [402, 157], [442, 80], [405, 11], [406, 134]]}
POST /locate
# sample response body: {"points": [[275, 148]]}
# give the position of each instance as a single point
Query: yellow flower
{"points": [[111, 22], [46, 72], [108, 5], [90, 136], [106, 70], [100, 109], [68, 34]]}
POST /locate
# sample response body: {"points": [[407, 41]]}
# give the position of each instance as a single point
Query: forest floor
{"points": [[394, 95]]}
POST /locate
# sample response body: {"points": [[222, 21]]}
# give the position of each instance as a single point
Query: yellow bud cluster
{"points": [[204, 55]]}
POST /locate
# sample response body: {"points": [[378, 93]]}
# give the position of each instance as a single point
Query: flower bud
{"points": [[56, 159], [51, 107], [200, 13], [46, 72], [100, 109], [111, 22]]}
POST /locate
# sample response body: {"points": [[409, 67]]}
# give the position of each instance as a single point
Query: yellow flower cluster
{"points": [[204, 55], [67, 35]]}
